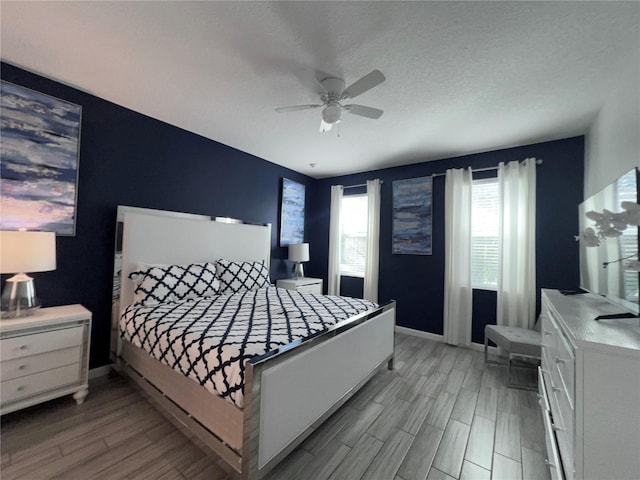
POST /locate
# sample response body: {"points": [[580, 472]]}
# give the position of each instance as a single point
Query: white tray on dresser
{"points": [[590, 388]]}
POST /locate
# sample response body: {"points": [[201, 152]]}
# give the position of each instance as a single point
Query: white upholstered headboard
{"points": [[156, 239]]}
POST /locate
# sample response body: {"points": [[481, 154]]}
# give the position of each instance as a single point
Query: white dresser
{"points": [[44, 356], [302, 284], [589, 389]]}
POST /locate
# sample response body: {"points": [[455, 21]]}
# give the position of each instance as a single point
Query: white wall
{"points": [[612, 145]]}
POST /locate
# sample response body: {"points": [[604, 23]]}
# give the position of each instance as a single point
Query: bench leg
{"points": [[486, 348], [486, 354], [510, 384]]}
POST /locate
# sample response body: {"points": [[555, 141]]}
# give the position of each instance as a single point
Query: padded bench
{"points": [[517, 342]]}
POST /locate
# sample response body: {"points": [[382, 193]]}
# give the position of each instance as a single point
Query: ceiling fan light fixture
{"points": [[334, 92], [332, 114]]}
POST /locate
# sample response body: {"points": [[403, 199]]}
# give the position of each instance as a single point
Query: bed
{"points": [[257, 412]]}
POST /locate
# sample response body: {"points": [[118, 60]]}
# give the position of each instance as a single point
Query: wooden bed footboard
{"points": [[288, 392]]}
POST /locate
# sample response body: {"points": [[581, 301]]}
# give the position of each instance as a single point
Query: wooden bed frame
{"points": [[288, 392]]}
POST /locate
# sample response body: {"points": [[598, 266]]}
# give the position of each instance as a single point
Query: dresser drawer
{"points": [[553, 459], [543, 399], [552, 400], [566, 365], [21, 367], [549, 332], [563, 428], [26, 345], [548, 340], [19, 388]]}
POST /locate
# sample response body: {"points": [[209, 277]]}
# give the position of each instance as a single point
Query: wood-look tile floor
{"points": [[441, 414]]}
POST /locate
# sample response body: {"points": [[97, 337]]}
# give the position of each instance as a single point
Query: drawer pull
{"points": [[556, 428], [547, 332], [23, 347], [549, 464], [560, 360], [20, 388], [21, 367], [555, 389]]}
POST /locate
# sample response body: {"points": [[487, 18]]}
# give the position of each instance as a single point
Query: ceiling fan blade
{"points": [[324, 126], [365, 83], [363, 111], [297, 107]]}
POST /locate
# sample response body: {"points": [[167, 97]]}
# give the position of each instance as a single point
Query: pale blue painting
{"points": [[292, 213], [38, 161], [412, 216]]}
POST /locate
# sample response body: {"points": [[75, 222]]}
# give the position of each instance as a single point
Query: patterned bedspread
{"points": [[210, 339]]}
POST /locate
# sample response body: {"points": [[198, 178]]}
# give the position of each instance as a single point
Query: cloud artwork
{"points": [[38, 161]]}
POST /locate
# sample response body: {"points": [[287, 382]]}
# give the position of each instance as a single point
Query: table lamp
{"points": [[298, 253], [24, 251]]}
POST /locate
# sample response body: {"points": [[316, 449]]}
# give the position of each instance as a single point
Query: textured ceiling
{"points": [[462, 77]]}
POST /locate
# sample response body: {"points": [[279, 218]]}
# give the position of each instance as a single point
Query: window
{"points": [[353, 235], [484, 234]]}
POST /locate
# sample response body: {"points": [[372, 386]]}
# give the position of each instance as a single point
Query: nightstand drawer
{"points": [[302, 284], [315, 288], [26, 345], [18, 388], [24, 366]]}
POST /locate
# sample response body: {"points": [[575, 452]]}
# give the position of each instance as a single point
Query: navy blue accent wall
{"points": [[130, 159], [352, 287], [417, 282]]}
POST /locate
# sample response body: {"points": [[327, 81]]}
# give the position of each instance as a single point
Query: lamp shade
{"points": [[299, 252], [25, 252]]}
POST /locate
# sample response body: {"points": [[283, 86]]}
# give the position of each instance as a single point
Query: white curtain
{"points": [[458, 299], [334, 240], [373, 241], [517, 248]]}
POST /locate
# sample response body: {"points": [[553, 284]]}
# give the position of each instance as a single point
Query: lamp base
{"points": [[298, 271], [19, 297]]}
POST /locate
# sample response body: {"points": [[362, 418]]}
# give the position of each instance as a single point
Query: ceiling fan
{"points": [[333, 93]]}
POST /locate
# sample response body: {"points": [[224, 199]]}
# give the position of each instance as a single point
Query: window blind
{"points": [[484, 234], [353, 238]]}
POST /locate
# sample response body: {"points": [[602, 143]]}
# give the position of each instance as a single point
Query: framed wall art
{"points": [[292, 213], [412, 216], [39, 156]]}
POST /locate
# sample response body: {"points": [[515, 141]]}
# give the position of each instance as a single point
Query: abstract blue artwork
{"points": [[412, 216], [292, 213], [38, 161]]}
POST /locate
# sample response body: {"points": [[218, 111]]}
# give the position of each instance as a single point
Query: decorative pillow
{"points": [[240, 276], [171, 283]]}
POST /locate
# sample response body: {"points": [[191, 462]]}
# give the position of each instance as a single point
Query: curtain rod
{"points": [[359, 185], [538, 162]]}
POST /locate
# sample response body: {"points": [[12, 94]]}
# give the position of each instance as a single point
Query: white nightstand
{"points": [[44, 356], [302, 285]]}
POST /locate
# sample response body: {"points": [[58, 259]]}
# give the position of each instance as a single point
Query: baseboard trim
{"points": [[419, 333], [479, 347], [99, 371]]}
